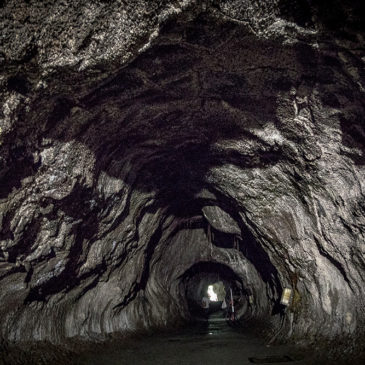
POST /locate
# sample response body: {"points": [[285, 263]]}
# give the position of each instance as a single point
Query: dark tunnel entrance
{"points": [[210, 287]]}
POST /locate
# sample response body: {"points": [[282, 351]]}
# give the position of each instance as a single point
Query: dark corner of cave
{"points": [[182, 182]]}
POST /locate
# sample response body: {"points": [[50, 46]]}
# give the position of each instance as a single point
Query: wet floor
{"points": [[211, 342], [207, 342]]}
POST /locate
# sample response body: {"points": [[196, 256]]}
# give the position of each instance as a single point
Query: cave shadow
{"points": [[168, 78], [208, 273], [23, 165], [247, 243], [353, 136], [171, 74], [342, 20], [165, 114], [333, 15], [75, 205]]}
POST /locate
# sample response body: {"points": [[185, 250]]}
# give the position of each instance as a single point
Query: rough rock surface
{"points": [[122, 120]]}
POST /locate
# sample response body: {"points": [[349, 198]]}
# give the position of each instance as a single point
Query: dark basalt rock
{"points": [[121, 122]]}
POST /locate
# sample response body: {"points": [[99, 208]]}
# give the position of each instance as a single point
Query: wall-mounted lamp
{"points": [[286, 296]]}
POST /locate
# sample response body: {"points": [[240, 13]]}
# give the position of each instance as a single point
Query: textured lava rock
{"points": [[121, 121]]}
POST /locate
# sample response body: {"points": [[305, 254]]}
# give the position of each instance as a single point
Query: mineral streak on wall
{"points": [[141, 138]]}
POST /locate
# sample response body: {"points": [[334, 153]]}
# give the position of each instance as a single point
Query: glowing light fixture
{"points": [[286, 296]]}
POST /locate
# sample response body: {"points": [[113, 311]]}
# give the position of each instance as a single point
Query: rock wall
{"points": [[121, 121]]}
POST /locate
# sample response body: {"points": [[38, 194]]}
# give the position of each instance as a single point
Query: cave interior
{"points": [[223, 142]]}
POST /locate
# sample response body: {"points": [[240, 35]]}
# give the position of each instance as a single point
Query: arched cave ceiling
{"points": [[127, 126]]}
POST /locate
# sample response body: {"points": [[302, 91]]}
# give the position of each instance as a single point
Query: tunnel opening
{"points": [[210, 247], [207, 285], [216, 292]]}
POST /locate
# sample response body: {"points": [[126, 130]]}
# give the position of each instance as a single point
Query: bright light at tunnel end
{"points": [[211, 294]]}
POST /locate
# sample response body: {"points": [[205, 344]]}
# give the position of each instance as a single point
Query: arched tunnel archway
{"points": [[226, 252], [220, 279], [150, 148]]}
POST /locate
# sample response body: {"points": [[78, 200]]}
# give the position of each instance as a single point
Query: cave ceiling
{"points": [[127, 129]]}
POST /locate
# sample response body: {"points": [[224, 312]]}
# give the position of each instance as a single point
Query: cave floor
{"points": [[210, 341]]}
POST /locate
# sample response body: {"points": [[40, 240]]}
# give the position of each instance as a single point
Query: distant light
{"points": [[213, 297]]}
